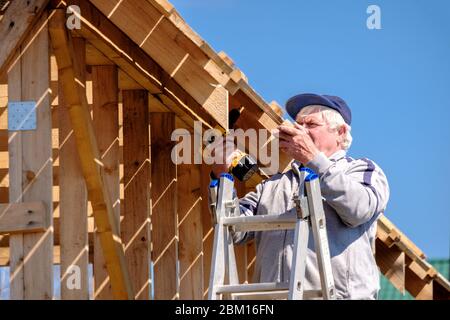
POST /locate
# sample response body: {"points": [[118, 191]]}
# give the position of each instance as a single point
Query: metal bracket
{"points": [[21, 115], [301, 205]]}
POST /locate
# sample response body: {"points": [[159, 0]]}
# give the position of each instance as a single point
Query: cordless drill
{"points": [[242, 166]]}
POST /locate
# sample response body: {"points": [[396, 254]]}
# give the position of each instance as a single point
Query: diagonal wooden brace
{"points": [[90, 160]]}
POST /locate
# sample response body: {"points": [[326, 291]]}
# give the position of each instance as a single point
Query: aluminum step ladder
{"points": [[224, 205]]}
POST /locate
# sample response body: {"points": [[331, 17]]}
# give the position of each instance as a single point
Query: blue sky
{"points": [[396, 80]]}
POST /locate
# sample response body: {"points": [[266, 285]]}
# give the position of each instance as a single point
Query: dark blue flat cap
{"points": [[298, 102]]}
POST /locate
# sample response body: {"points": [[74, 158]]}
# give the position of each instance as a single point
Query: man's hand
{"points": [[224, 151], [296, 142]]}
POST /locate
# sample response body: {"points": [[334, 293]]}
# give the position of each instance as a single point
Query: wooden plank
{"points": [[90, 158], [15, 187], [105, 111], [72, 198], [421, 289], [391, 262], [137, 170], [386, 229], [95, 58], [127, 83], [15, 25], [277, 108], [190, 231], [30, 158], [207, 228], [24, 217], [4, 256], [164, 197]]}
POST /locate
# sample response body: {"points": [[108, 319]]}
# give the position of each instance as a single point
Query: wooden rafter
{"points": [[90, 160]]}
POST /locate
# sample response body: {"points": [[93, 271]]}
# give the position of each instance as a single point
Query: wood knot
{"points": [[30, 175]]}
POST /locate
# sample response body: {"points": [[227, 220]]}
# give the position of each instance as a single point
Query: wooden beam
{"points": [[90, 158], [190, 231], [95, 57], [105, 111], [72, 196], [420, 289], [392, 264], [30, 171], [4, 256], [15, 26], [137, 170], [23, 217], [164, 207]]}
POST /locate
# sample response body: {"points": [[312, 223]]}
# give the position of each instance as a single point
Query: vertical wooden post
{"points": [[106, 127], [136, 162], [207, 227], [190, 231], [73, 201], [30, 158], [164, 206]]}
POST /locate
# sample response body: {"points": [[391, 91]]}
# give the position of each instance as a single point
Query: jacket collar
{"points": [[334, 157], [338, 155]]}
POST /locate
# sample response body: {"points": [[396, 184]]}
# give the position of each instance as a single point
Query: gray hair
{"points": [[334, 120]]}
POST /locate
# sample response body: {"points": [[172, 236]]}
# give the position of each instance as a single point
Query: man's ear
{"points": [[342, 131]]}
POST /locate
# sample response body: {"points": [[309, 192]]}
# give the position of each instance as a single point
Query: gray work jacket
{"points": [[355, 193]]}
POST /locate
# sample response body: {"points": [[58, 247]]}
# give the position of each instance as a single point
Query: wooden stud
{"points": [[164, 206], [190, 231], [105, 111], [72, 199], [30, 158], [136, 163], [207, 227], [90, 158]]}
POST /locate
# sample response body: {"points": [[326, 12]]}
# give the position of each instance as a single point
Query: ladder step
{"points": [[274, 295], [252, 287], [268, 295], [261, 223]]}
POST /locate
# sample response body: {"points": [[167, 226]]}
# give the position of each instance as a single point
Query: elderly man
{"points": [[355, 192]]}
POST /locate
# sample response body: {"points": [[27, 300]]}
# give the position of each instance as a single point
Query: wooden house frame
{"points": [[95, 183]]}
